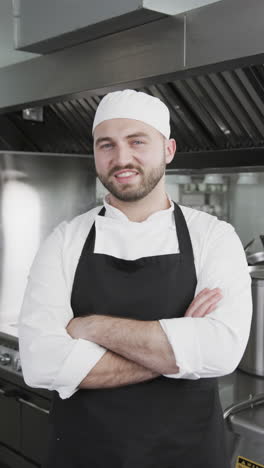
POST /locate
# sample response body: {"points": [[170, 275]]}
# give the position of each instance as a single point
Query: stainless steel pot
{"points": [[255, 268], [253, 359], [256, 258]]}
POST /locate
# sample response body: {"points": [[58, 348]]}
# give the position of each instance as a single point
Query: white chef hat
{"points": [[130, 104]]}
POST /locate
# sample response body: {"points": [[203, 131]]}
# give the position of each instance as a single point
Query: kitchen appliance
{"points": [[242, 398], [37, 192], [245, 419], [246, 247], [256, 258], [255, 268], [24, 412], [253, 359]]}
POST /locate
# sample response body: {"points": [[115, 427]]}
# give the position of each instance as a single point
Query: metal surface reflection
{"points": [[21, 214], [36, 193]]}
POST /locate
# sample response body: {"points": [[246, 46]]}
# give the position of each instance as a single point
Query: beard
{"points": [[127, 192]]}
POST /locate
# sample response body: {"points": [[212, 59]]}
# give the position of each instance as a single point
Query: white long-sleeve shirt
{"points": [[211, 346]]}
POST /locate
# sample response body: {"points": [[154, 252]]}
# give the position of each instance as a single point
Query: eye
{"points": [[138, 142], [106, 146]]}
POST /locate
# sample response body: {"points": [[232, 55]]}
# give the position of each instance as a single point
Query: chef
{"points": [[133, 309]]}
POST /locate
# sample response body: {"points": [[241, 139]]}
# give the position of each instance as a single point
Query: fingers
{"points": [[204, 303], [210, 309]]}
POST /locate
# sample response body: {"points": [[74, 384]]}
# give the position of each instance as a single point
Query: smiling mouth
{"points": [[126, 176]]}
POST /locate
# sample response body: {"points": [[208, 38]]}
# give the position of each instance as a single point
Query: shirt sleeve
{"points": [[212, 346], [50, 357]]}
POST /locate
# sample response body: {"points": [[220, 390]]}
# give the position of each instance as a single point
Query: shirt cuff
{"points": [[182, 337], [83, 357]]}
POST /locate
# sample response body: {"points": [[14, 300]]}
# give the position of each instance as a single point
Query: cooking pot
{"points": [[256, 258], [253, 359], [255, 268]]}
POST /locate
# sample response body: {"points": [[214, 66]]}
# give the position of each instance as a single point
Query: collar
{"points": [[113, 212]]}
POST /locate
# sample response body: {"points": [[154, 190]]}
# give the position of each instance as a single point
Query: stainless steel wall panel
{"points": [[37, 192]]}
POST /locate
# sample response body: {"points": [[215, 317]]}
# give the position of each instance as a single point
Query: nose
{"points": [[123, 155]]}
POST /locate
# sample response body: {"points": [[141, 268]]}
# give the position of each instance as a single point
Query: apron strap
{"points": [[90, 241], [184, 239]]}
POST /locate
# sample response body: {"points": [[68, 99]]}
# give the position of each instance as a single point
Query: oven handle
{"points": [[25, 402], [32, 405]]}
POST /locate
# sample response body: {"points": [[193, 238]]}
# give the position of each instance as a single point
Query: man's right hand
{"points": [[204, 303]]}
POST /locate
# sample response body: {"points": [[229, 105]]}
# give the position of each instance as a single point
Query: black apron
{"points": [[161, 423]]}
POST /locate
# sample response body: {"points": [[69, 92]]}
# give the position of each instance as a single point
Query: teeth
{"points": [[125, 174]]}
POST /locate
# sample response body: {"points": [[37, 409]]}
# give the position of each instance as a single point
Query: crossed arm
{"points": [[137, 350]]}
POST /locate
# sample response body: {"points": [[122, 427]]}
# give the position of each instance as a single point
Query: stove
{"points": [[22, 409], [9, 357]]}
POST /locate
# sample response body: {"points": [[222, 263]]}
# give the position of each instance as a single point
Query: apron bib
{"points": [[161, 423]]}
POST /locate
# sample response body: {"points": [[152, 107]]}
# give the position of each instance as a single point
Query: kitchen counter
{"points": [[10, 329], [238, 386]]}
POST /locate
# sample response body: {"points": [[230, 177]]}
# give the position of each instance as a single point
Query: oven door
{"points": [[10, 417], [24, 428], [34, 427]]}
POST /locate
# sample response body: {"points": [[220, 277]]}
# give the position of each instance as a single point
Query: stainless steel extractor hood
{"points": [[208, 72], [46, 26], [217, 120], [203, 40]]}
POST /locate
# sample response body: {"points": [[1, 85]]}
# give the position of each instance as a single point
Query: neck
{"points": [[140, 210]]}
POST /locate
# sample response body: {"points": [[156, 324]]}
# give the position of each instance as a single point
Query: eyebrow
{"points": [[139, 134], [133, 135], [101, 139]]}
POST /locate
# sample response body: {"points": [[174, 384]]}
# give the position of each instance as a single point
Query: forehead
{"points": [[121, 128]]}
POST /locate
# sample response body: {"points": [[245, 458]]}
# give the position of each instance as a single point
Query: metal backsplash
{"points": [[37, 192]]}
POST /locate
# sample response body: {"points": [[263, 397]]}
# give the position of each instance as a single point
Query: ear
{"points": [[170, 149]]}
